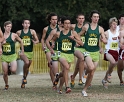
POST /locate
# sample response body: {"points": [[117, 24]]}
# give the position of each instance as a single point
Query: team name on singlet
{"points": [[7, 47], [93, 40], [26, 40], [66, 45]]}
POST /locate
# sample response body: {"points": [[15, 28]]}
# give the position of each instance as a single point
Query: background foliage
{"points": [[37, 10]]}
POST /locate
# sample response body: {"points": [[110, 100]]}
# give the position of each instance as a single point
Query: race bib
{"points": [[7, 48], [114, 45], [83, 39], [66, 46], [92, 41], [26, 41]]}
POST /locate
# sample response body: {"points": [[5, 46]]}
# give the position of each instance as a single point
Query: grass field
{"points": [[39, 89]]}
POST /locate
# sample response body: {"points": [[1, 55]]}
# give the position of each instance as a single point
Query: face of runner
{"points": [[26, 24], [67, 24], [121, 20], [8, 27], [95, 18], [80, 19], [113, 25], [53, 20]]}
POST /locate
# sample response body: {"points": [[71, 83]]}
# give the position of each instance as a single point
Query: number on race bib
{"points": [[114, 45], [26, 41], [7, 48], [66, 46], [92, 41]]}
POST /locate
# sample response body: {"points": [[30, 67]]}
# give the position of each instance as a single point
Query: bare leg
{"points": [[5, 72], [26, 65], [111, 66], [48, 56], [120, 66]]}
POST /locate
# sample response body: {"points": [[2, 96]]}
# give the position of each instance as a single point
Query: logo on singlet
{"points": [[7, 47], [26, 40]]}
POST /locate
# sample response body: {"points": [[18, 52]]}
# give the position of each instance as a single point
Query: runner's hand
{"points": [[101, 51], [71, 37]]}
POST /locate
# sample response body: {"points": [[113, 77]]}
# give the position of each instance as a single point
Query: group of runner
{"points": [[26, 37], [61, 41]]}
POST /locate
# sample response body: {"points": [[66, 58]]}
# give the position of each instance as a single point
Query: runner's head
{"points": [[52, 18], [113, 22], [94, 16], [8, 26], [66, 21], [80, 18], [26, 23], [121, 19]]}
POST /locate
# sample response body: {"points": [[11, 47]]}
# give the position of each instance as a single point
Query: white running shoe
{"points": [[84, 93], [105, 85], [84, 78]]}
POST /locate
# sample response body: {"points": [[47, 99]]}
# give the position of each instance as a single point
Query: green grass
{"points": [[39, 89]]}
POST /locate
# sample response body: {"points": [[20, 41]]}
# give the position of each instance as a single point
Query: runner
{"points": [[1, 39], [29, 37], [54, 54], [78, 51], [120, 65], [66, 46], [92, 32], [52, 19], [9, 55], [111, 49]]}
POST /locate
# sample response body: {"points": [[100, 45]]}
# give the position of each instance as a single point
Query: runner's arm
{"points": [[20, 41], [103, 38], [35, 38], [53, 32], [43, 39]]}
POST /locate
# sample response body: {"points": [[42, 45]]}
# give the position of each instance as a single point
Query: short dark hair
{"points": [[92, 12], [24, 20], [79, 14], [121, 15], [65, 18], [48, 18]]}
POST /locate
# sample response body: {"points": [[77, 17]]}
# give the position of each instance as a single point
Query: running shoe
{"points": [[121, 83], [56, 80], [84, 93], [6, 87], [24, 81], [104, 82], [60, 91], [23, 86], [68, 90], [72, 84], [80, 82], [84, 78], [109, 78], [54, 87]]}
